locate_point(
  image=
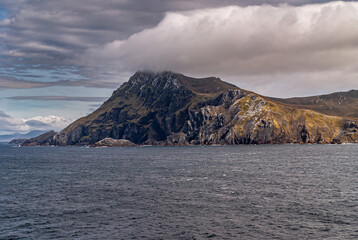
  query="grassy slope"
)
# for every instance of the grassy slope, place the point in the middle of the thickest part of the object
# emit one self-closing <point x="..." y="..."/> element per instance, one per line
<point x="285" y="119"/>
<point x="341" y="104"/>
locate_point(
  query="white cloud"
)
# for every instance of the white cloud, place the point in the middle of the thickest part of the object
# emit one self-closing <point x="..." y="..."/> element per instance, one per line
<point x="5" y="22"/>
<point x="9" y="124"/>
<point x="285" y="45"/>
<point x="55" y="122"/>
<point x="43" y="47"/>
<point x="13" y="53"/>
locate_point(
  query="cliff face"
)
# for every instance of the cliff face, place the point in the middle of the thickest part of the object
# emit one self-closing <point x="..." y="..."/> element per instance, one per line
<point x="172" y="109"/>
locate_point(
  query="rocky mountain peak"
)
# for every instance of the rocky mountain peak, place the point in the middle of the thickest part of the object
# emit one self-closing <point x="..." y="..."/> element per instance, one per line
<point x="159" y="82"/>
<point x="162" y="80"/>
<point x="143" y="83"/>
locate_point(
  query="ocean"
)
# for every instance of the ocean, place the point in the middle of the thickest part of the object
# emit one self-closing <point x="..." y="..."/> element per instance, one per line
<point x="193" y="192"/>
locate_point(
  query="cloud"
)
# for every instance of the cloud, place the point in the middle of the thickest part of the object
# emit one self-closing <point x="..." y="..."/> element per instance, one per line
<point x="36" y="124"/>
<point x="10" y="124"/>
<point x="56" y="122"/>
<point x="42" y="47"/>
<point x="13" y="83"/>
<point x="108" y="40"/>
<point x="5" y="22"/>
<point x="243" y="42"/>
<point x="59" y="98"/>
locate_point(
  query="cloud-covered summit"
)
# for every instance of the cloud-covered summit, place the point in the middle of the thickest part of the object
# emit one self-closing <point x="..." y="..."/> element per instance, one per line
<point x="313" y="45"/>
<point x="254" y="40"/>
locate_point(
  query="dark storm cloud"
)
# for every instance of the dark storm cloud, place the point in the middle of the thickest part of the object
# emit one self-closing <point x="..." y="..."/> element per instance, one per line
<point x="58" y="31"/>
<point x="57" y="27"/>
<point x="59" y="98"/>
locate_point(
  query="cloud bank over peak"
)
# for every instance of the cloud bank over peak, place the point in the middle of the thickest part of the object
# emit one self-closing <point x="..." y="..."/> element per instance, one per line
<point x="252" y="43"/>
<point x="276" y="47"/>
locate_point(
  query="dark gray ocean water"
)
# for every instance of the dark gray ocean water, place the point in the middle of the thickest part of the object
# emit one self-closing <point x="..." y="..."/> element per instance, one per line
<point x="226" y="192"/>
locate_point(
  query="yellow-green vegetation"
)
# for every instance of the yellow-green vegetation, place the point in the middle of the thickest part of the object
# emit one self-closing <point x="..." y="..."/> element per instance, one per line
<point x="205" y="86"/>
<point x="263" y="121"/>
<point x="341" y="104"/>
<point x="287" y="119"/>
<point x="244" y="104"/>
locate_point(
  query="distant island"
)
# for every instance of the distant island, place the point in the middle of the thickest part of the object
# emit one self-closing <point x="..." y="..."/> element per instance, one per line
<point x="169" y="109"/>
<point x="18" y="138"/>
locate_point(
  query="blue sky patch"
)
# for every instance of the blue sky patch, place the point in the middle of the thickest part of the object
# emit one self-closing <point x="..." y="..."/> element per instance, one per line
<point x="3" y="13"/>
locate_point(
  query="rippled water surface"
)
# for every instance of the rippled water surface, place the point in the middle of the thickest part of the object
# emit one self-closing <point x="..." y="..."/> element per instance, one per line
<point x="226" y="192"/>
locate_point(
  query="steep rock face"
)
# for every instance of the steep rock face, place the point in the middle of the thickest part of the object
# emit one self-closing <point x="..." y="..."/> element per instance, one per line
<point x="146" y="109"/>
<point x="170" y="109"/>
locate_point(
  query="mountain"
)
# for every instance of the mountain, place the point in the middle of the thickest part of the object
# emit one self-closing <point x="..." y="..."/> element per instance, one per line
<point x="342" y="104"/>
<point x="9" y="137"/>
<point x="172" y="109"/>
<point x="45" y="139"/>
<point x="18" y="141"/>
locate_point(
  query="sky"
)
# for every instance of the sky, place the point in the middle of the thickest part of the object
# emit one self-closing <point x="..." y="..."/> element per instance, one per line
<point x="59" y="60"/>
